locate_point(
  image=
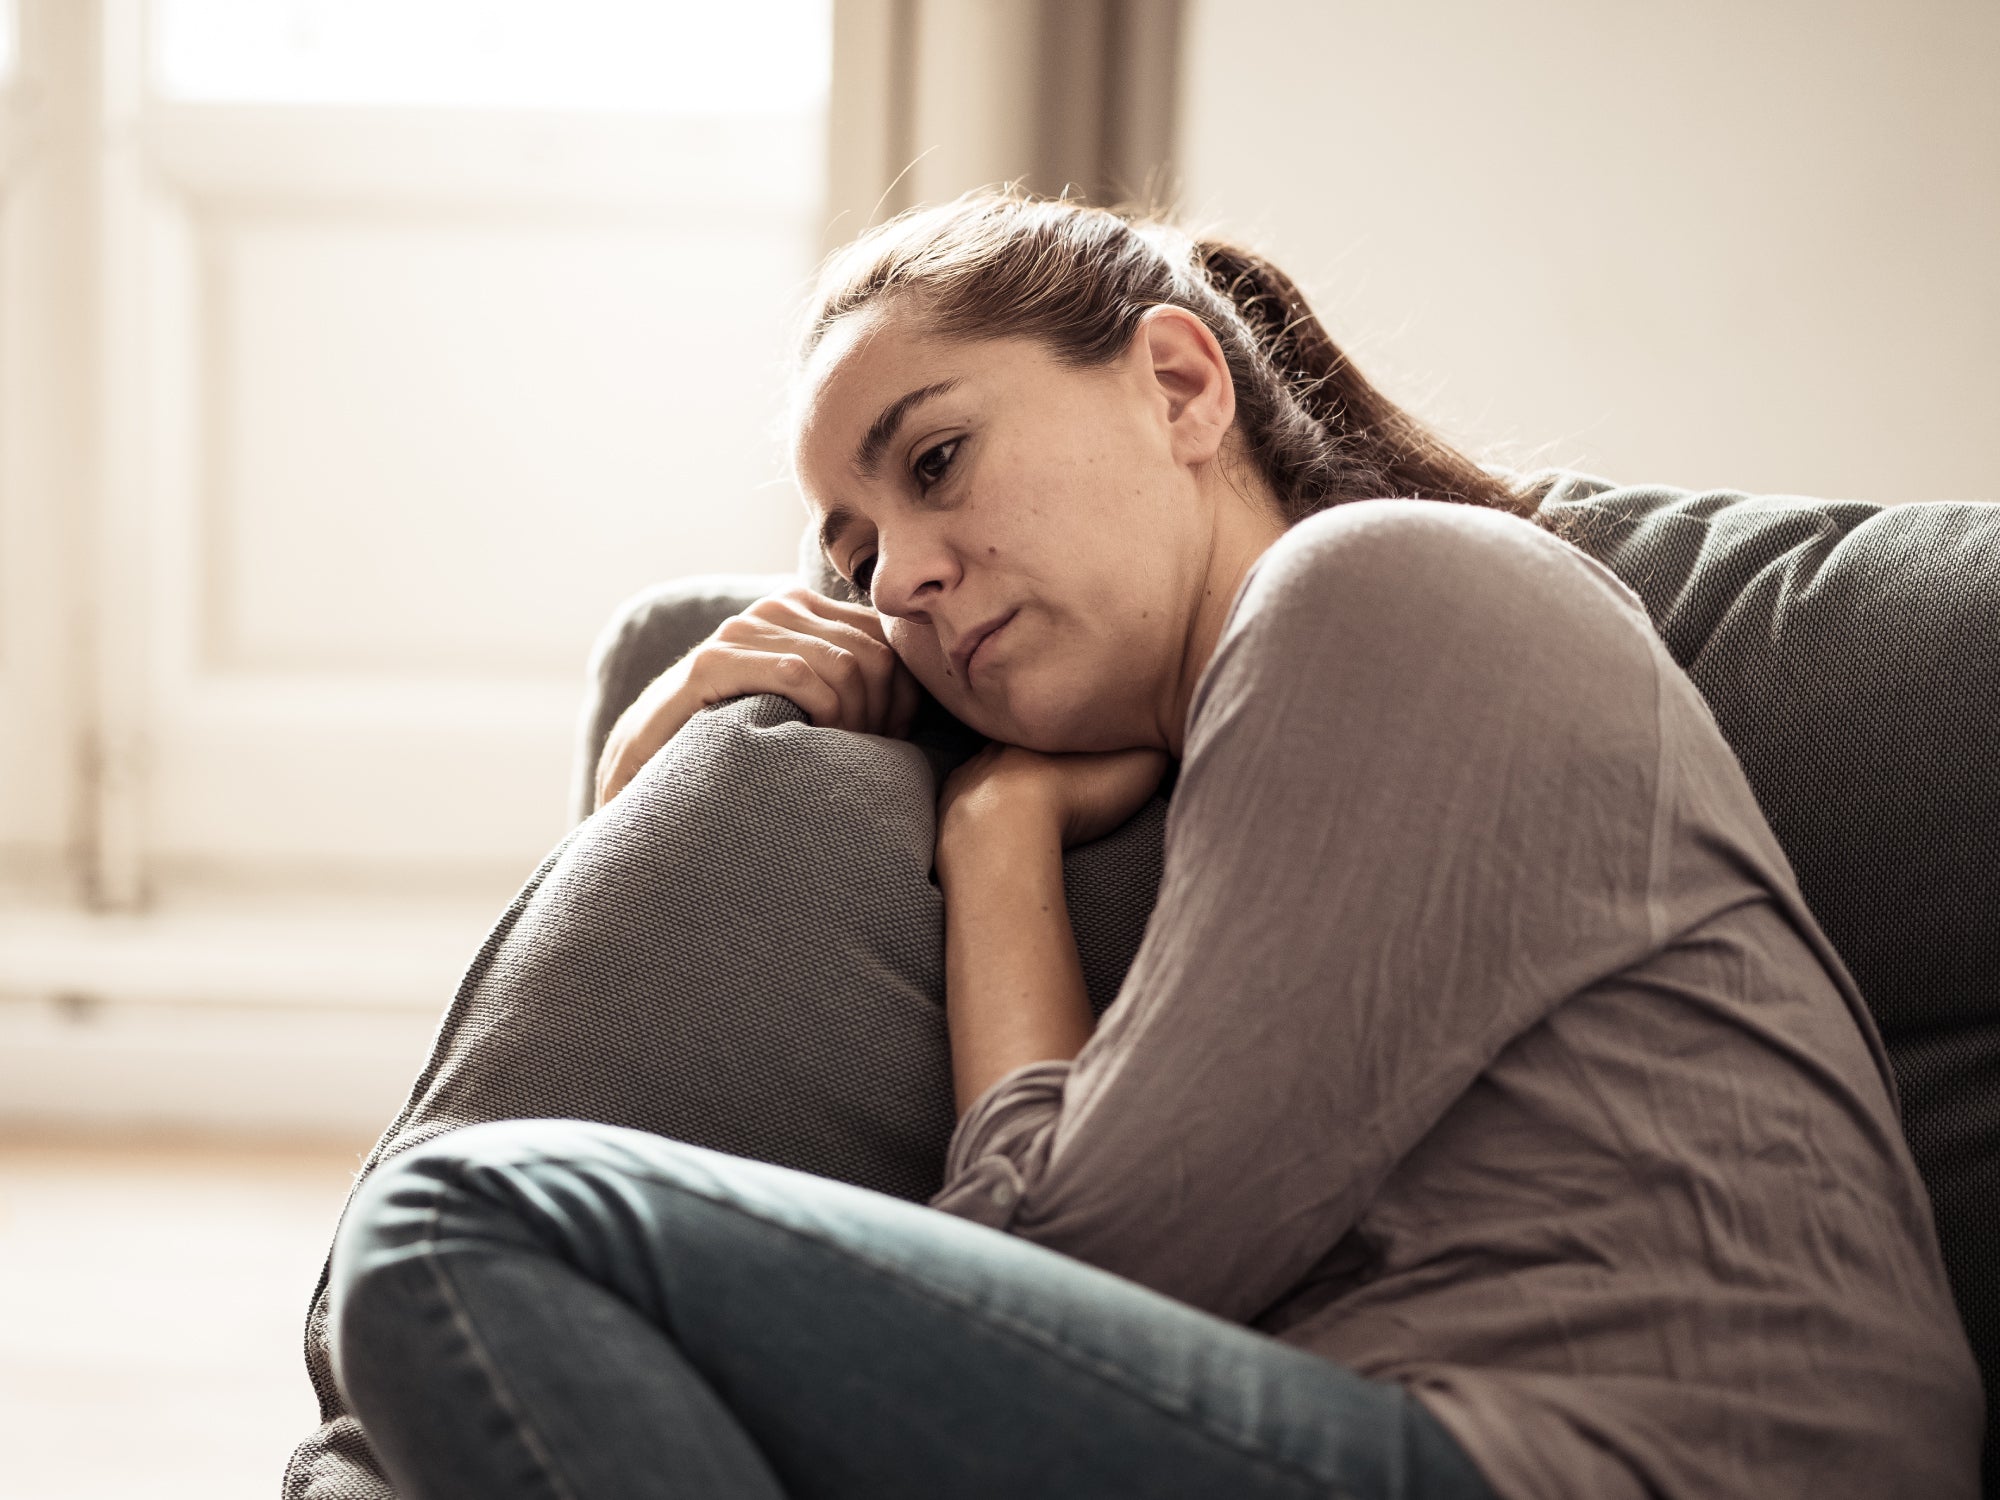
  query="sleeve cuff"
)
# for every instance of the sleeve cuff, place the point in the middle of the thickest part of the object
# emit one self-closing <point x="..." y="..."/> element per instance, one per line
<point x="1005" y="1131"/>
<point x="988" y="1194"/>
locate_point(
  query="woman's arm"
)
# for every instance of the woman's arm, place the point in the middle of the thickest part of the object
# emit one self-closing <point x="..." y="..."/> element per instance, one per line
<point x="1014" y="988"/>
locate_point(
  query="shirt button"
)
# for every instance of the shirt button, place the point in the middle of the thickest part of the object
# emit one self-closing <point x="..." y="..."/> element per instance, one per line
<point x="1003" y="1192"/>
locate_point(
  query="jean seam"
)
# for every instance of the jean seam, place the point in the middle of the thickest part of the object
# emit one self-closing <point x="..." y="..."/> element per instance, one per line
<point x="1110" y="1374"/>
<point x="503" y="1396"/>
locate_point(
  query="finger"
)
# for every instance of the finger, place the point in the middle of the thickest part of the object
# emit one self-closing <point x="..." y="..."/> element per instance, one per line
<point x="851" y="625"/>
<point x="615" y="773"/>
<point x="613" y="779"/>
<point x="853" y="663"/>
<point x="841" y="669"/>
<point x="838" y="612"/>
<point x="803" y="607"/>
<point x="634" y="737"/>
<point x="861" y="616"/>
<point x="853" y="628"/>
<point x="735" y="670"/>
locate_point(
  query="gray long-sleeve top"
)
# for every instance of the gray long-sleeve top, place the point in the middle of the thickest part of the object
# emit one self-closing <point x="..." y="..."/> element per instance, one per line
<point x="1480" y="1040"/>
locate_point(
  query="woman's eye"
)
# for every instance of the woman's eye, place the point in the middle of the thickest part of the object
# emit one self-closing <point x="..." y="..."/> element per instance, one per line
<point x="929" y="469"/>
<point x="931" y="464"/>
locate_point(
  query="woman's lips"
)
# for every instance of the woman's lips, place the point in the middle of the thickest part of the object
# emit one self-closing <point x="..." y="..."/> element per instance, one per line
<point x="984" y="641"/>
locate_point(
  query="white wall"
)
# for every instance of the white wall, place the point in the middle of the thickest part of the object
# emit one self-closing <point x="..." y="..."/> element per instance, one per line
<point x="1709" y="243"/>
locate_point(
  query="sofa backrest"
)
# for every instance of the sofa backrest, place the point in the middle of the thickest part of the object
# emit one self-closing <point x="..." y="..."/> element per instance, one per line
<point x="1851" y="655"/>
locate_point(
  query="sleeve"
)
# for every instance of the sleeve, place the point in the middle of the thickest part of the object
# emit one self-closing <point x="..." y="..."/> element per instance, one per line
<point x="1416" y="810"/>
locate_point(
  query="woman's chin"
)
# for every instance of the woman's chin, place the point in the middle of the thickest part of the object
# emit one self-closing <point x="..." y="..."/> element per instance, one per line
<point x="997" y="724"/>
<point x="1054" y="718"/>
<point x="1051" y="735"/>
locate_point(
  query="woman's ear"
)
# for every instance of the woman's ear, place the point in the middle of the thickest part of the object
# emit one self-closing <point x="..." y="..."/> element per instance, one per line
<point x="1181" y="358"/>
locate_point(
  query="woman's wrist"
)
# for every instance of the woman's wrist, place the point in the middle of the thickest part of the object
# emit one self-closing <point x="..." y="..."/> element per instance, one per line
<point x="989" y="838"/>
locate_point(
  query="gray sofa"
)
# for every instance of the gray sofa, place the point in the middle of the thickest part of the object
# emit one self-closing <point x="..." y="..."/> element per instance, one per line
<point x="649" y="972"/>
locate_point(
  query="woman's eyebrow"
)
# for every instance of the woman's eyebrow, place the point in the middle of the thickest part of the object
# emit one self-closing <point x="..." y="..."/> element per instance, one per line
<point x="883" y="430"/>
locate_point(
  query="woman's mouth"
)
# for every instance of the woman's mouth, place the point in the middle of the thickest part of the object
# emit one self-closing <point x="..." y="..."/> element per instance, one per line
<point x="979" y="652"/>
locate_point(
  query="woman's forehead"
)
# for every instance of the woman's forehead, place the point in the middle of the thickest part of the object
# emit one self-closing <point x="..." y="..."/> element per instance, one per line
<point x="840" y="388"/>
<point x="860" y="366"/>
<point x="856" y="376"/>
<point x="858" y="353"/>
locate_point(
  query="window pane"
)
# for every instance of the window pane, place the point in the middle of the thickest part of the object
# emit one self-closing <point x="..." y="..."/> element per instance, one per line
<point x="675" y="56"/>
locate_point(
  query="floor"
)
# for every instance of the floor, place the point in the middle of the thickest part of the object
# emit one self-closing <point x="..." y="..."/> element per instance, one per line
<point x="152" y="1306"/>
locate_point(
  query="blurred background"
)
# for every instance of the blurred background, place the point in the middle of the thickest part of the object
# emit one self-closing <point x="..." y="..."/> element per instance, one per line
<point x="357" y="357"/>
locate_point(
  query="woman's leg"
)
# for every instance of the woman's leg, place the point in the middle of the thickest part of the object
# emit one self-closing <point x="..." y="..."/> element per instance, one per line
<point x="560" y="1308"/>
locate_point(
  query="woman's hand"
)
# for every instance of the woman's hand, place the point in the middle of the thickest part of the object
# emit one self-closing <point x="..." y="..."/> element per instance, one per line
<point x="828" y="656"/>
<point x="1082" y="795"/>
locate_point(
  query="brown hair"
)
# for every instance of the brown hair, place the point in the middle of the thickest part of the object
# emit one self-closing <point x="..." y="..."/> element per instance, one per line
<point x="1000" y="262"/>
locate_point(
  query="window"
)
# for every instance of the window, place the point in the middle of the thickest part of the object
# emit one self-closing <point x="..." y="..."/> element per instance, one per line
<point x="427" y="369"/>
<point x="653" y="56"/>
<point x="427" y="332"/>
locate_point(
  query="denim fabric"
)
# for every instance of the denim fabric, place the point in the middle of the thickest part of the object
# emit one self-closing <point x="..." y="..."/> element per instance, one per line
<point x="562" y="1308"/>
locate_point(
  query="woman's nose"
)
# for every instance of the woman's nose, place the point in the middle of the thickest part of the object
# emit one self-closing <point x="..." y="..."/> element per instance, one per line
<point x="909" y="573"/>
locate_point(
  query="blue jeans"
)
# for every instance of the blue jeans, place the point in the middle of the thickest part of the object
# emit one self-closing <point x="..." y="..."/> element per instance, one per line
<point x="555" y="1308"/>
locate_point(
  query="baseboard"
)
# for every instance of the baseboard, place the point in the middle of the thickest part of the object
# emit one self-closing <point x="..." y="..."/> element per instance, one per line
<point x="301" y="1025"/>
<point x="137" y="1068"/>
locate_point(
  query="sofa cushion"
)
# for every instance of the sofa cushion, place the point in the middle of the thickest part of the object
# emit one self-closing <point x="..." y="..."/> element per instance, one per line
<point x="1851" y="655"/>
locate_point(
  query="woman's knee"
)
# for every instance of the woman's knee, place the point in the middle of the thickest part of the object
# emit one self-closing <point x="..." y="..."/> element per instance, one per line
<point x="446" y="1187"/>
<point x="610" y="1203"/>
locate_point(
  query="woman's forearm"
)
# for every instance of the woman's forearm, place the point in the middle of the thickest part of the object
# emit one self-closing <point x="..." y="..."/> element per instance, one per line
<point x="1014" y="990"/>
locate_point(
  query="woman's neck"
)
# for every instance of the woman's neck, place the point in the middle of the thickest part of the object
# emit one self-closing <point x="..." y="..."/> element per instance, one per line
<point x="1248" y="519"/>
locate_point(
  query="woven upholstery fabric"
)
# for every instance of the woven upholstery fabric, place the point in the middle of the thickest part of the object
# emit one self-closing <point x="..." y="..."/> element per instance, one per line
<point x="745" y="949"/>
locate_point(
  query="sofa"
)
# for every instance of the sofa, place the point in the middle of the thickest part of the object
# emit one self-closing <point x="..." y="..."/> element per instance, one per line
<point x="1850" y="653"/>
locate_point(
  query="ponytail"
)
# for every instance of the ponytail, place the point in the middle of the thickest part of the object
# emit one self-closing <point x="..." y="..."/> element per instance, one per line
<point x="1353" y="442"/>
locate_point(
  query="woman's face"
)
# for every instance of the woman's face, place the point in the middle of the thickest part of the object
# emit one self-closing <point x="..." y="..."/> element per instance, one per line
<point x="962" y="483"/>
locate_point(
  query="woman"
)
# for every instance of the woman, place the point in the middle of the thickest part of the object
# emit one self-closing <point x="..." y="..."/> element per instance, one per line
<point x="1483" y="1115"/>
